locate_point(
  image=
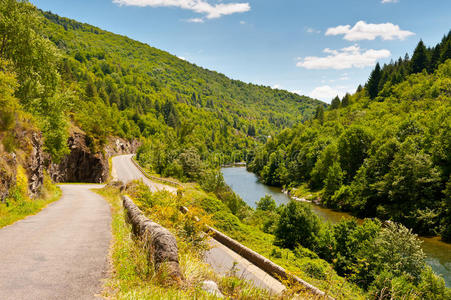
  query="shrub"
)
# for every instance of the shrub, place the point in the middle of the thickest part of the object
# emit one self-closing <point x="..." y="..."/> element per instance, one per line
<point x="297" y="225"/>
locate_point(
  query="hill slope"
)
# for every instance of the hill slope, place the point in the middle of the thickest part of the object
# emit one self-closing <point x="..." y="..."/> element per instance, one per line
<point x="157" y="89"/>
<point x="387" y="158"/>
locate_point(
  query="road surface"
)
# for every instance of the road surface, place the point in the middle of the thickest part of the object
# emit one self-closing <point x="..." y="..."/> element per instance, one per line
<point x="125" y="170"/>
<point x="60" y="253"/>
<point x="221" y="258"/>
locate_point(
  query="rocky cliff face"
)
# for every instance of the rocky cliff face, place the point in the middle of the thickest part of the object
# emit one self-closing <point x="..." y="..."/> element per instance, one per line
<point x="28" y="152"/>
<point x="82" y="165"/>
<point x="34" y="164"/>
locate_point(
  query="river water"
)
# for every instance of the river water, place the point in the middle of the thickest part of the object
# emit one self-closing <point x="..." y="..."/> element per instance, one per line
<point x="247" y="186"/>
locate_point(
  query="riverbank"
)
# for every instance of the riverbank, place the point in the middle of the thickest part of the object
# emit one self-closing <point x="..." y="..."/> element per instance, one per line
<point x="250" y="189"/>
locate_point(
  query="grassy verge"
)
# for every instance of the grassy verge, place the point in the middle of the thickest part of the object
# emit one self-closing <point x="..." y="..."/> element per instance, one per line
<point x="18" y="205"/>
<point x="133" y="276"/>
<point x="301" y="262"/>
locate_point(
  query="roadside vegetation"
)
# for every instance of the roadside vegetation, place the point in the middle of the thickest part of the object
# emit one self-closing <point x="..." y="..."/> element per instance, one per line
<point x="19" y="205"/>
<point x="347" y="260"/>
<point x="133" y="275"/>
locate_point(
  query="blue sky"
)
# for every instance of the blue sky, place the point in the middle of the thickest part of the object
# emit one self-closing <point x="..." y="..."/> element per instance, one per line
<point x="313" y="47"/>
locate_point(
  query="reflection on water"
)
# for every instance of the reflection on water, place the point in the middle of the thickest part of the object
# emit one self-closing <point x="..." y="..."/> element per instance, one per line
<point x="246" y="185"/>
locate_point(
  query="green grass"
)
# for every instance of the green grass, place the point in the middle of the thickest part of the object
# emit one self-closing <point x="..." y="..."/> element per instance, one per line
<point x="18" y="206"/>
<point x="302" y="263"/>
<point x="133" y="276"/>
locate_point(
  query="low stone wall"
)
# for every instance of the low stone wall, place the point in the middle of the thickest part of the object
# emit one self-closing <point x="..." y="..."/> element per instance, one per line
<point x="260" y="261"/>
<point x="160" y="243"/>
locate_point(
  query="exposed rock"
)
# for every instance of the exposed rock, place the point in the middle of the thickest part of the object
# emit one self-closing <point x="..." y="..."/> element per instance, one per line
<point x="28" y="152"/>
<point x="7" y="174"/>
<point x="212" y="288"/>
<point x="34" y="165"/>
<point x="82" y="165"/>
<point x="117" y="146"/>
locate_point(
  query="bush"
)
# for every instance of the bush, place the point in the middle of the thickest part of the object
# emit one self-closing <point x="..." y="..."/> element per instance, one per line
<point x="266" y="203"/>
<point x="297" y="225"/>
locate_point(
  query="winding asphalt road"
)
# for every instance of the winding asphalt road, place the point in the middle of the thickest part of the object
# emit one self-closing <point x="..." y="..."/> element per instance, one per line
<point x="221" y="258"/>
<point x="60" y="253"/>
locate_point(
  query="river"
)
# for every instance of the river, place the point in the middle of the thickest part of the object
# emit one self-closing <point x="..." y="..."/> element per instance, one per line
<point x="247" y="186"/>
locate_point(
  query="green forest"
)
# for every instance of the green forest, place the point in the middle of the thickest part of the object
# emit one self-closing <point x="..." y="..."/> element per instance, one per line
<point x="72" y="74"/>
<point x="383" y="152"/>
<point x="126" y="88"/>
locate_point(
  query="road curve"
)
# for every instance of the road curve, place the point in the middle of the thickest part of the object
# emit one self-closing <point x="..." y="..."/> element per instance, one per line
<point x="60" y="253"/>
<point x="125" y="171"/>
<point x="221" y="258"/>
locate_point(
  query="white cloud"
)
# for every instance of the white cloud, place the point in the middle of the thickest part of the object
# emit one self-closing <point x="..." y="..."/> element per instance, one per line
<point x="389" y="1"/>
<point x="345" y="58"/>
<point x="368" y="31"/>
<point x="181" y="57"/>
<point x="195" y="20"/>
<point x="211" y="11"/>
<point x="276" y="86"/>
<point x="327" y="93"/>
<point x="312" y="30"/>
<point x="242" y="22"/>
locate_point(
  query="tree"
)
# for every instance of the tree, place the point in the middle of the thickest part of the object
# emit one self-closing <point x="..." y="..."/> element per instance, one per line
<point x="297" y="225"/>
<point x="319" y="114"/>
<point x="34" y="57"/>
<point x="446" y="54"/>
<point x="420" y="59"/>
<point x="251" y="130"/>
<point x="373" y="82"/>
<point x="332" y="183"/>
<point x="353" y="146"/>
<point x="398" y="250"/>
<point x="435" y="58"/>
<point x="191" y="163"/>
<point x="335" y="104"/>
<point x="266" y="203"/>
<point x="345" y="100"/>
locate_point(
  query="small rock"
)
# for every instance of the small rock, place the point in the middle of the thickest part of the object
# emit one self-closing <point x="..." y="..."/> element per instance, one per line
<point x="212" y="288"/>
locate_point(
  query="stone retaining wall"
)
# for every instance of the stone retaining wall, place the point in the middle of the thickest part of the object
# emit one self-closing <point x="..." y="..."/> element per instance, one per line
<point x="260" y="261"/>
<point x="158" y="241"/>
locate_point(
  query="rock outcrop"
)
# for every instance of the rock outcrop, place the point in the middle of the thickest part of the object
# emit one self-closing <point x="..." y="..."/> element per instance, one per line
<point x="84" y="165"/>
<point x="28" y="152"/>
<point x="34" y="165"/>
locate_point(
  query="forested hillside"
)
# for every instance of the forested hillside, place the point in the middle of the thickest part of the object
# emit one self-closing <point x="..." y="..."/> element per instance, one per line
<point x="132" y="90"/>
<point x="383" y="152"/>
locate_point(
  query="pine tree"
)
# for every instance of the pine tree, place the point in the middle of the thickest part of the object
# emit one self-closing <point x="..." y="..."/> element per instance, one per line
<point x="345" y="100"/>
<point x="446" y="54"/>
<point x="373" y="82"/>
<point x="336" y="103"/>
<point x="319" y="115"/>
<point x="419" y="58"/>
<point x="435" y="58"/>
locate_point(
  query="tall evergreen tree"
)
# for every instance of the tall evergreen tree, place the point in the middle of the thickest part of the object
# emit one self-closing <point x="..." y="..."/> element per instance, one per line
<point x="435" y="58"/>
<point x="373" y="82"/>
<point x="419" y="58"/>
<point x="319" y="115"/>
<point x="336" y="103"/>
<point x="345" y="100"/>
<point x="446" y="54"/>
